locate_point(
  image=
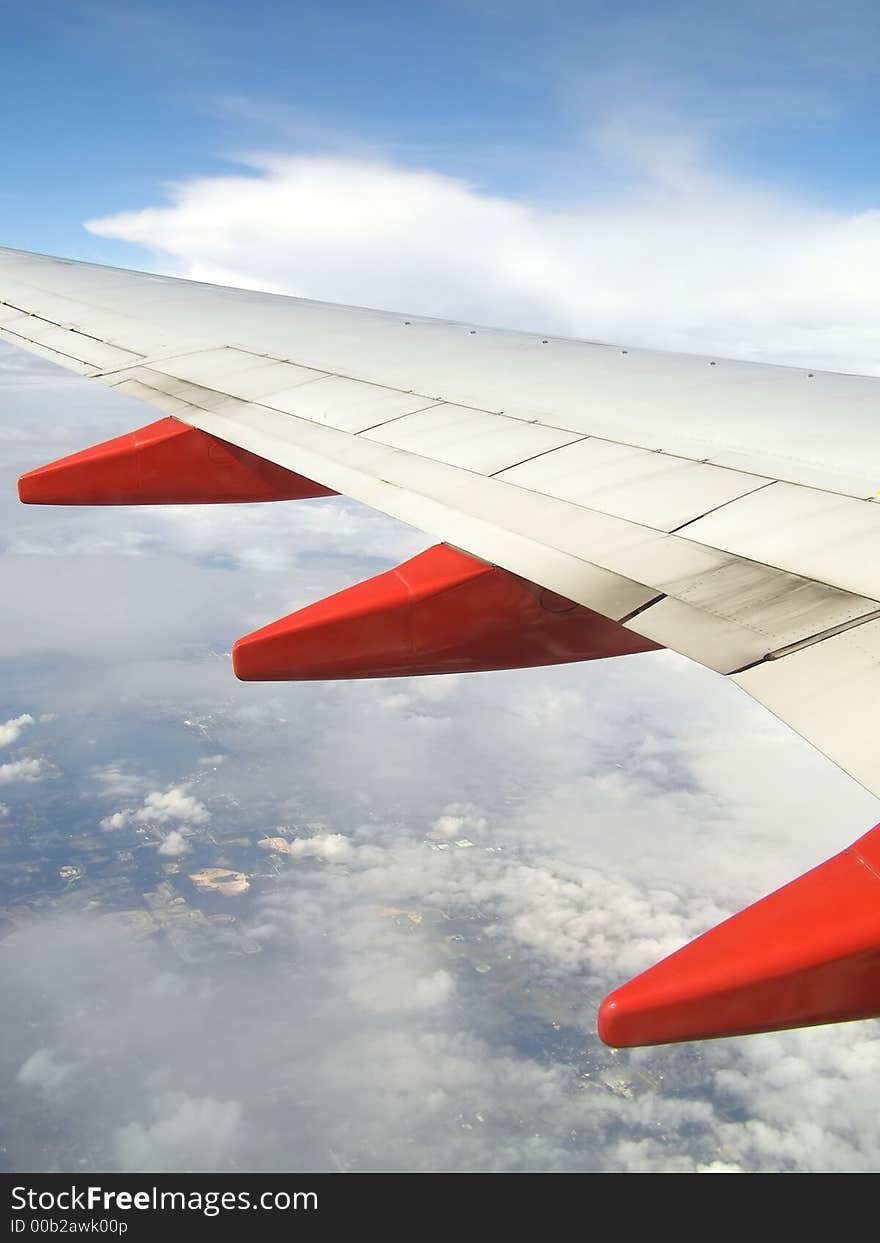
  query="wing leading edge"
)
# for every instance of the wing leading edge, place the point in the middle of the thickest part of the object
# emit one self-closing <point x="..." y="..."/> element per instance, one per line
<point x="598" y="519"/>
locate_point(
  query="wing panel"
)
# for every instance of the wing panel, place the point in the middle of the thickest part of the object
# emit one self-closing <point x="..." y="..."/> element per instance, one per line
<point x="53" y="356"/>
<point x="212" y="367"/>
<point x="162" y="401"/>
<point x="193" y="395"/>
<point x="31" y="330"/>
<point x="258" y="383"/>
<point x="745" y="613"/>
<point x="829" y="693"/>
<point x="831" y="538"/>
<point x="652" y="488"/>
<point x="472" y="439"/>
<point x="859" y="482"/>
<point x="347" y="405"/>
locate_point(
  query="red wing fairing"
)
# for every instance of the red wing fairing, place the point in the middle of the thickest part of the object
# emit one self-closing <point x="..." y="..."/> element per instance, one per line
<point x="441" y="612"/>
<point x="808" y="953"/>
<point x="165" y="463"/>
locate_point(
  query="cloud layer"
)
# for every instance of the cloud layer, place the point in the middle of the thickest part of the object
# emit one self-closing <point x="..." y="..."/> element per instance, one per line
<point x="11" y="730"/>
<point x="693" y="261"/>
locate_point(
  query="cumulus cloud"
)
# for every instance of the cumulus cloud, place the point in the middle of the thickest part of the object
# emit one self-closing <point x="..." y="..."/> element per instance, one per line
<point x="187" y="1134"/>
<point x="43" y="1071"/>
<point x="25" y="770"/>
<point x="705" y="263"/>
<point x="329" y="847"/>
<point x="161" y="807"/>
<point x="11" y="730"/>
<point x="173" y="804"/>
<point x="118" y="820"/>
<point x="174" y="844"/>
<point x="458" y="820"/>
<point x="4" y="811"/>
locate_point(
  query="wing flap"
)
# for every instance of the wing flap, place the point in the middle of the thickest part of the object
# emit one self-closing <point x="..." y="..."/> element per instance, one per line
<point x="55" y="336"/>
<point x="50" y="355"/>
<point x="475" y="440"/>
<point x="828" y="692"/>
<point x="834" y="539"/>
<point x="655" y="489"/>
<point x="743" y="612"/>
<point x="229" y="368"/>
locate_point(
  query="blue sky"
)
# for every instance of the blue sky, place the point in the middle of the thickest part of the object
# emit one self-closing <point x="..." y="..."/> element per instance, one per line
<point x="113" y="100"/>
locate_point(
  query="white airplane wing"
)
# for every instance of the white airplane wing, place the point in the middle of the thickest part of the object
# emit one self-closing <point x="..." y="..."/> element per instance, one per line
<point x="725" y="510"/>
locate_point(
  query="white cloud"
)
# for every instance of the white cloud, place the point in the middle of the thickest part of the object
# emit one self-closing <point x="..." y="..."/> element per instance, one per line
<point x="160" y="807"/>
<point x="4" y="811"/>
<point x="25" y="770"/>
<point x="393" y="989"/>
<point x="705" y="263"/>
<point x="11" y="730"/>
<point x="117" y="781"/>
<point x="329" y="847"/>
<point x="42" y="1070"/>
<point x="457" y="820"/>
<point x="188" y="1134"/>
<point x="118" y="820"/>
<point x="174" y="844"/>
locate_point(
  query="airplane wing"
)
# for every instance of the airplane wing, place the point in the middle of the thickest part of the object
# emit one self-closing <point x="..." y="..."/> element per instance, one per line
<point x="592" y="500"/>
